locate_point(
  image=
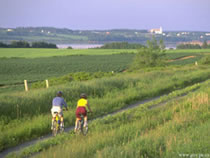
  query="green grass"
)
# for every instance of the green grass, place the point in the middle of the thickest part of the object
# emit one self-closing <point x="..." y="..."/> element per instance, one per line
<point x="15" y="70"/>
<point x="179" y="127"/>
<point x="37" y="53"/>
<point x="26" y="116"/>
<point x="189" y="51"/>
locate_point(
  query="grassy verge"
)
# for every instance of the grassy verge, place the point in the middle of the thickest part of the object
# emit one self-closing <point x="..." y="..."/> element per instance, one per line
<point x="139" y="132"/>
<point x="182" y="127"/>
<point x="27" y="117"/>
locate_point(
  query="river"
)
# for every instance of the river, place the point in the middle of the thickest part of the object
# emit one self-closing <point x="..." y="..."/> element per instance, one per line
<point x="78" y="46"/>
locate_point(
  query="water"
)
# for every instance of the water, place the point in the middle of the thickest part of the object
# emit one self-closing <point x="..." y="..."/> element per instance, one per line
<point x="78" y="46"/>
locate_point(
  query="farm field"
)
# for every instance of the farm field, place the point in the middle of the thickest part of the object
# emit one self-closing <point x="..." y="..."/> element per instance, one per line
<point x="45" y="52"/>
<point x="15" y="70"/>
<point x="36" y="53"/>
<point x="189" y="51"/>
<point x="17" y="65"/>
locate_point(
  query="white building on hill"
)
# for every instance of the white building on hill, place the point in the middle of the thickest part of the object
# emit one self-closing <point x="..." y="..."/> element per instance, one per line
<point x="156" y="31"/>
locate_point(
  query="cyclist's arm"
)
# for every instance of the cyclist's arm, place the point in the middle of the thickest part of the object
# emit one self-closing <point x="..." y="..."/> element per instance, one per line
<point x="64" y="104"/>
<point x="89" y="107"/>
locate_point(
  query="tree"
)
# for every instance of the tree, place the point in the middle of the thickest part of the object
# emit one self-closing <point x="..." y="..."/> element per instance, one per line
<point x="43" y="45"/>
<point x="150" y="56"/>
<point x="3" y="45"/>
<point x="153" y="44"/>
<point x="188" y="46"/>
<point x="19" y="44"/>
<point x="162" y="45"/>
<point x="122" y="45"/>
<point x="205" y="45"/>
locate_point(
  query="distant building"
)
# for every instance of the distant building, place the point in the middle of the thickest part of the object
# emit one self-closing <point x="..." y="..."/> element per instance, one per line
<point x="207" y="34"/>
<point x="193" y="42"/>
<point x="10" y="30"/>
<point x="156" y="31"/>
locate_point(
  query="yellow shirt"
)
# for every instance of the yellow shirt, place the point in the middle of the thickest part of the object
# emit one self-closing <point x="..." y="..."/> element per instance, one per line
<point x="82" y="103"/>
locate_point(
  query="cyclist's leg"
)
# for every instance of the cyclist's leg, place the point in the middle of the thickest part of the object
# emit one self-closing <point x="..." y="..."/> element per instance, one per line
<point x="85" y="117"/>
<point x="62" y="121"/>
<point x="77" y="123"/>
<point x="60" y="114"/>
<point x="78" y="118"/>
<point x="85" y="121"/>
<point x="53" y="117"/>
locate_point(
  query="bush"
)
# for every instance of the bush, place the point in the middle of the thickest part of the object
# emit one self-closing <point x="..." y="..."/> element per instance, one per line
<point x="78" y="76"/>
<point x="19" y="44"/>
<point x="43" y="45"/>
<point x="122" y="45"/>
<point x="3" y="45"/>
<point x="206" y="60"/>
<point x="188" y="46"/>
<point x="151" y="56"/>
<point x="69" y="47"/>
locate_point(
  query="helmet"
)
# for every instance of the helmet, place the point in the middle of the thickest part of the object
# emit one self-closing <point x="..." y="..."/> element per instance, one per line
<point x="59" y="93"/>
<point x="83" y="95"/>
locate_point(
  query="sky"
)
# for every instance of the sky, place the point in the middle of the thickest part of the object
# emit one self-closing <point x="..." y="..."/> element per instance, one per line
<point x="172" y="15"/>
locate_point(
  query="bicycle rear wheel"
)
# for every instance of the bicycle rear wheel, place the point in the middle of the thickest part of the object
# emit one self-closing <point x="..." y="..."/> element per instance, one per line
<point x="84" y="130"/>
<point x="55" y="128"/>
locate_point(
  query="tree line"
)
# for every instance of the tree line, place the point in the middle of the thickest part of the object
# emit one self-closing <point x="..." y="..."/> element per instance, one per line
<point x="205" y="45"/>
<point x="25" y="44"/>
<point x="122" y="45"/>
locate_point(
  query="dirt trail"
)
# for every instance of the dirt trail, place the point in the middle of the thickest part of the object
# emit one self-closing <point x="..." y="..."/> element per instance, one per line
<point x="181" y="58"/>
<point x="139" y="103"/>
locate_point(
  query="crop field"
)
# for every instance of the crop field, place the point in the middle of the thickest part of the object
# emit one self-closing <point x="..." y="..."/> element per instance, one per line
<point x="36" y="53"/>
<point x="203" y="51"/>
<point x="17" y="65"/>
<point x="15" y="70"/>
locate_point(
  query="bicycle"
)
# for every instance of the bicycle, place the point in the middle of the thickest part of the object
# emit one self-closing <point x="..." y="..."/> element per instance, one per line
<point x="82" y="129"/>
<point x="56" y="125"/>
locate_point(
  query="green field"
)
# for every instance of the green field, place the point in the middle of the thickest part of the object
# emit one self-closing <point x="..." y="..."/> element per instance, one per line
<point x="36" y="53"/>
<point x="26" y="116"/>
<point x="28" y="113"/>
<point x="17" y="65"/>
<point x="15" y="70"/>
<point x="189" y="51"/>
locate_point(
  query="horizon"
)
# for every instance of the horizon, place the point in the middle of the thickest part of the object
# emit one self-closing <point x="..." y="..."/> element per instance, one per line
<point x="190" y="15"/>
<point x="102" y="29"/>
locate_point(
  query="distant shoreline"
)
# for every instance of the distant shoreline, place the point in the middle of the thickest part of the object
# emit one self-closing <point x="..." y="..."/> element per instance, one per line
<point x="78" y="46"/>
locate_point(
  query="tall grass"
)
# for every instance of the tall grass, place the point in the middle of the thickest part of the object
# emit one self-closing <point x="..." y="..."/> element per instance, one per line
<point x="181" y="127"/>
<point x="27" y="115"/>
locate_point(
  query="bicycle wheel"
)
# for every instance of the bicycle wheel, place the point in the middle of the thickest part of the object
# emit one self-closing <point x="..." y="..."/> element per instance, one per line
<point x="61" y="129"/>
<point x="84" y="130"/>
<point x="55" y="128"/>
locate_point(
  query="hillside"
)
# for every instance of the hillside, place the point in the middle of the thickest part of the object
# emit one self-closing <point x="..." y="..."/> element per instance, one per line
<point x="66" y="36"/>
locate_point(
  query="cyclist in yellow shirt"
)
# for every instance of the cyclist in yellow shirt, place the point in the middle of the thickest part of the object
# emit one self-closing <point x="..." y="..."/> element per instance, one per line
<point x="82" y="104"/>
